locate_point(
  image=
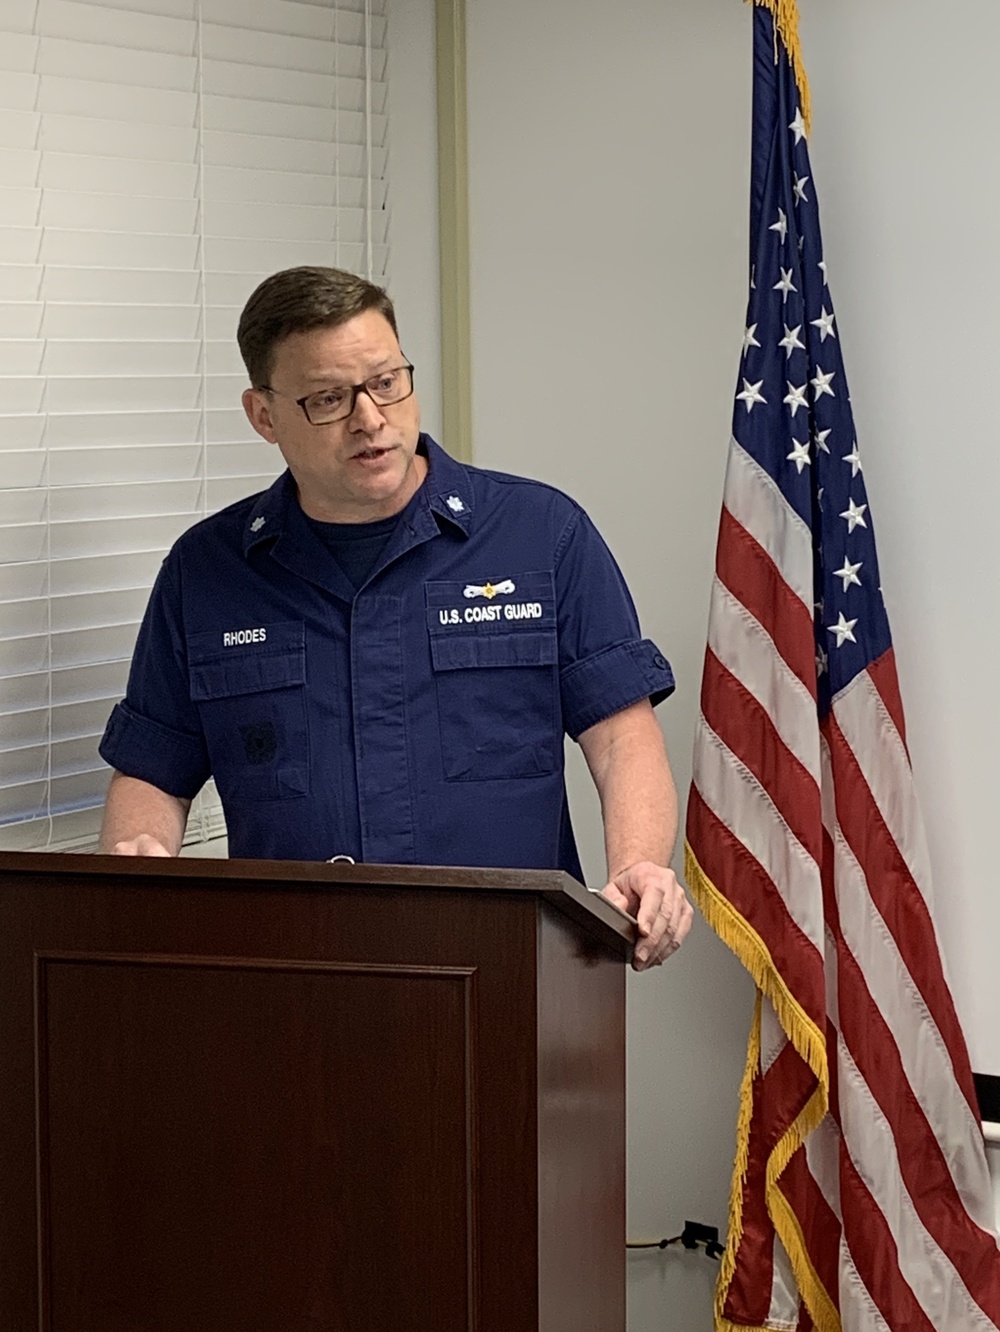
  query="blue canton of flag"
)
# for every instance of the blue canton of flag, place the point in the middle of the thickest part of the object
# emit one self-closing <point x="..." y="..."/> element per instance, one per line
<point x="793" y="411"/>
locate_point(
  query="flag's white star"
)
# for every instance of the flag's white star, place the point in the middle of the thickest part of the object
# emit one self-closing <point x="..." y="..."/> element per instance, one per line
<point x="798" y="126"/>
<point x="785" y="285"/>
<point x="822" y="268"/>
<point x="820" y="493"/>
<point x="854" y="458"/>
<point x="795" y="397"/>
<point x="819" y="439"/>
<point x="791" y="340"/>
<point x="748" y="338"/>
<point x="753" y="278"/>
<point x="821" y="660"/>
<point x="822" y="383"/>
<point x="818" y="607"/>
<point x="800" y="189"/>
<point x="849" y="573"/>
<point x="825" y="325"/>
<point x="781" y="226"/>
<point x="799" y="454"/>
<point x="854" y="514"/>
<point x="802" y="244"/>
<point x="751" y="394"/>
<point x="843" y="629"/>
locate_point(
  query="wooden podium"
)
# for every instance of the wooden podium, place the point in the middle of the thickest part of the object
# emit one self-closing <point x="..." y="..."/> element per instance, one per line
<point x="278" y="1096"/>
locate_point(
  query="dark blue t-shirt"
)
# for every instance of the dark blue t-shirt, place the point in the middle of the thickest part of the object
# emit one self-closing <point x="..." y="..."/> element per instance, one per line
<point x="419" y="720"/>
<point x="355" y="546"/>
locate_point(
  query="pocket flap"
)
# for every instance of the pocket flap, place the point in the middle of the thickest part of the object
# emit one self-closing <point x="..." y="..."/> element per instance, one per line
<point x="461" y="651"/>
<point x="225" y="664"/>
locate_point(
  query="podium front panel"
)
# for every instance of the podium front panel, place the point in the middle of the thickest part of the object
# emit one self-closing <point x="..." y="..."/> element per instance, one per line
<point x="291" y="1106"/>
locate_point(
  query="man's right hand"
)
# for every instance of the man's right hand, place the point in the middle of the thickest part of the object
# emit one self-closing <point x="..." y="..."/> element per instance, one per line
<point x="133" y="805"/>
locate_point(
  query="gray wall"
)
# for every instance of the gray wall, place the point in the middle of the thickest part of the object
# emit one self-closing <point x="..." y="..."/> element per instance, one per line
<point x="905" y="151"/>
<point x="609" y="166"/>
<point x="609" y="177"/>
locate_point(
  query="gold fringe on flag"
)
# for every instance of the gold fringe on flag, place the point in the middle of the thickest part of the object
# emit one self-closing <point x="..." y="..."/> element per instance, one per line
<point x="786" y="20"/>
<point x="740" y="936"/>
<point x="727" y="1268"/>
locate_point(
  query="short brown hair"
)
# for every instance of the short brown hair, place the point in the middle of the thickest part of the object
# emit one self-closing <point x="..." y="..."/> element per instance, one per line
<point x="298" y="299"/>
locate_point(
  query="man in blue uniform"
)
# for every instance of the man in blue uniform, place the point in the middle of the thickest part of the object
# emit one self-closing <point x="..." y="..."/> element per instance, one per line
<point x="379" y="656"/>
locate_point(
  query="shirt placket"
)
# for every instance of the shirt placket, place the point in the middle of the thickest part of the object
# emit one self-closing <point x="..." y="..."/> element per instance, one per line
<point x="385" y="795"/>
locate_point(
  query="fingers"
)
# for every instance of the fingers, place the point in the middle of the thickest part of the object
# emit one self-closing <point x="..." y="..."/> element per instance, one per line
<point x="664" y="913"/>
<point x="614" y="894"/>
<point x="143" y="845"/>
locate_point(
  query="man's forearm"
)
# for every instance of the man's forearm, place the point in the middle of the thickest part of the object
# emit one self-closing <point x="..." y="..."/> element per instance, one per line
<point x="138" y="816"/>
<point x="628" y="761"/>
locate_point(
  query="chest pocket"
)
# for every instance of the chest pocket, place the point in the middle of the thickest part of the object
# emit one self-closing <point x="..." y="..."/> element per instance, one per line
<point x="250" y="686"/>
<point x="495" y="654"/>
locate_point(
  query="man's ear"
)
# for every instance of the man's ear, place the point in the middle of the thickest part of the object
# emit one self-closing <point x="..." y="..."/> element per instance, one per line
<point x="257" y="406"/>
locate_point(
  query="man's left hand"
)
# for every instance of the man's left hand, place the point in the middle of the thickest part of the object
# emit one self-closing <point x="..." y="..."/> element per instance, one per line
<point x="652" y="894"/>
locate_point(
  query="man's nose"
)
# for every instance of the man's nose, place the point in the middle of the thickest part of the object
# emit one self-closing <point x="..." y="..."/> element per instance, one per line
<point x="366" y="415"/>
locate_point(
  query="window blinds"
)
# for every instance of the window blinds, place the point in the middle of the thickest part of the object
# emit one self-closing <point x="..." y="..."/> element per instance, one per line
<point x="158" y="158"/>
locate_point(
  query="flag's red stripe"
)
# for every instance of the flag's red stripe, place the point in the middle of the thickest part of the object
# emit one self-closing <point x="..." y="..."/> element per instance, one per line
<point x="897" y="898"/>
<point x="747" y="570"/>
<point x="736" y="716"/>
<point x="745" y="883"/>
<point x="884" y="677"/>
<point x="820" y="1224"/>
<point x="784" y="1091"/>
<point x="875" y="1255"/>
<point x="922" y="1164"/>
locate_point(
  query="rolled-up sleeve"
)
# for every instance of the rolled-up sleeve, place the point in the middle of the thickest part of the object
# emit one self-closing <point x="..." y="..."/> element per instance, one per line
<point x="604" y="663"/>
<point x="155" y="733"/>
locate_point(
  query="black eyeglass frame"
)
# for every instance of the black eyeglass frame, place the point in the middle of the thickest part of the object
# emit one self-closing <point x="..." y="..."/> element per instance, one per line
<point x="355" y="390"/>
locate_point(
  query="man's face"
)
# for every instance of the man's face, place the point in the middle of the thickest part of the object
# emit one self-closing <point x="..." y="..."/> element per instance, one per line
<point x="363" y="467"/>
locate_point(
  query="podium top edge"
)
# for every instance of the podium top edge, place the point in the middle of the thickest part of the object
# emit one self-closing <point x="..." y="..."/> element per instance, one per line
<point x="557" y="887"/>
<point x="285" y="871"/>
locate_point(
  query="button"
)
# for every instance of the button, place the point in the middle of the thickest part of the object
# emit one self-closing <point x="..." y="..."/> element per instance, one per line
<point x="661" y="661"/>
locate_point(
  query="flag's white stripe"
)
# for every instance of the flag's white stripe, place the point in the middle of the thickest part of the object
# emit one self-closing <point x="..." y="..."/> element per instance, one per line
<point x="858" y="1312"/>
<point x="739" y="801"/>
<point x="757" y="504"/>
<point x="772" y="1034"/>
<point x="822" y="1152"/>
<point x="922" y="1050"/>
<point x="881" y="755"/>
<point x="785" y="1301"/>
<point x="924" y="1266"/>
<point x="748" y="651"/>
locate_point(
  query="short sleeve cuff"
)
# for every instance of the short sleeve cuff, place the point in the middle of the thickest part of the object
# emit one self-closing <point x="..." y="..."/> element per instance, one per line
<point x="614" y="679"/>
<point x="139" y="747"/>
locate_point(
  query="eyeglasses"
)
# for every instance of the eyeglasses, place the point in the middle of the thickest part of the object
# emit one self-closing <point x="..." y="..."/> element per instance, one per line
<point x="337" y="404"/>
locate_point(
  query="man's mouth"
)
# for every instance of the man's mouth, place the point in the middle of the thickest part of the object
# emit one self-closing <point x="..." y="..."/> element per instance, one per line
<point x="369" y="455"/>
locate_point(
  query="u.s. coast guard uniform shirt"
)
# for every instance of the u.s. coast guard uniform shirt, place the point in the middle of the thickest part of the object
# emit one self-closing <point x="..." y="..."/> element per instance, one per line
<point x="418" y="719"/>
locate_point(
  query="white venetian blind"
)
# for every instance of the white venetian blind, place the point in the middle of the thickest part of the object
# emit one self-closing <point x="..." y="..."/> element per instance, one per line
<point x="157" y="159"/>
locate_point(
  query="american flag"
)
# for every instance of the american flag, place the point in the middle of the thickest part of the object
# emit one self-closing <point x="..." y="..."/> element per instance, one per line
<point x="861" y="1197"/>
